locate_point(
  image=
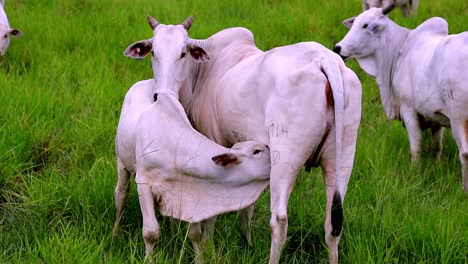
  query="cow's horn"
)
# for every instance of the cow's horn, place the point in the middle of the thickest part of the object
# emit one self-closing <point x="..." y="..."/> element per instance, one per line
<point x="388" y="8"/>
<point x="188" y="23"/>
<point x="152" y="22"/>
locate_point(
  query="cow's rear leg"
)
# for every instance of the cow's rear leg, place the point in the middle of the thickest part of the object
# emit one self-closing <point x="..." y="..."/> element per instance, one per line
<point x="437" y="137"/>
<point x="245" y="216"/>
<point x="286" y="164"/>
<point x="150" y="224"/>
<point x="120" y="194"/>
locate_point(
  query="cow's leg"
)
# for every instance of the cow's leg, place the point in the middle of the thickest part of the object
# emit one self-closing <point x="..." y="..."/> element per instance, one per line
<point x="410" y="117"/>
<point x="120" y="194"/>
<point x="195" y="235"/>
<point x="208" y="230"/>
<point x="245" y="216"/>
<point x="459" y="129"/>
<point x="150" y="224"/>
<point x="287" y="159"/>
<point x="437" y="137"/>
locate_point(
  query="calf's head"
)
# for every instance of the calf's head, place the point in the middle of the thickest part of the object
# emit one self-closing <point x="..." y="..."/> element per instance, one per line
<point x="172" y="51"/>
<point x="249" y="158"/>
<point x="364" y="36"/>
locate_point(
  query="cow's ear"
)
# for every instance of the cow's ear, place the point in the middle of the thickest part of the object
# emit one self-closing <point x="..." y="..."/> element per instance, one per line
<point x="376" y="27"/>
<point x="15" y="32"/>
<point x="349" y="22"/>
<point x="139" y="49"/>
<point x="198" y="53"/>
<point x="226" y="160"/>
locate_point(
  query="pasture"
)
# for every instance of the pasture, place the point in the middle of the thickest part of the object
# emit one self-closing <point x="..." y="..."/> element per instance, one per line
<point x="61" y="89"/>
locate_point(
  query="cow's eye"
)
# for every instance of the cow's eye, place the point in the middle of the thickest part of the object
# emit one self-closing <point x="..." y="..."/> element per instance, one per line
<point x="365" y="26"/>
<point x="257" y="151"/>
<point x="182" y="55"/>
<point x="6" y="36"/>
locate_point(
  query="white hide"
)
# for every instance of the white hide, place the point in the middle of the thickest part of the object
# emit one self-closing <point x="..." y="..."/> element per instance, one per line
<point x="422" y="75"/>
<point x="5" y="31"/>
<point x="279" y="98"/>
<point x="408" y="7"/>
<point x="173" y="163"/>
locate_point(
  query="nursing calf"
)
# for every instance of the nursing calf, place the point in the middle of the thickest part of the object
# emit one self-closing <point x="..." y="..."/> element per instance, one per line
<point x="178" y="170"/>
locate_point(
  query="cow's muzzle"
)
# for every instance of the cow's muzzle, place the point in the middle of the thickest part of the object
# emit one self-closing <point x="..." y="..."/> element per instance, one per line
<point x="337" y="50"/>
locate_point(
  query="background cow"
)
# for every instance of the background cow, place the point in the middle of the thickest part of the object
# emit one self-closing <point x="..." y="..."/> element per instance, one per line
<point x="407" y="7"/>
<point x="422" y="75"/>
<point x="5" y="30"/>
<point x="301" y="100"/>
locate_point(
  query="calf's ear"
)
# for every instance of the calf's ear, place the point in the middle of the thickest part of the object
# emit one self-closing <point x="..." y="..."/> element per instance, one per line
<point x="15" y="32"/>
<point x="198" y="53"/>
<point x="349" y="22"/>
<point x="226" y="160"/>
<point x="139" y="49"/>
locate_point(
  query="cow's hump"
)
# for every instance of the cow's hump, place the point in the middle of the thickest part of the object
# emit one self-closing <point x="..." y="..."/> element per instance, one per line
<point x="435" y="25"/>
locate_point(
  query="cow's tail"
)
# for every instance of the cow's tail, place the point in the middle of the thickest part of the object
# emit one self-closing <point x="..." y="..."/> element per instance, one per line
<point x="331" y="69"/>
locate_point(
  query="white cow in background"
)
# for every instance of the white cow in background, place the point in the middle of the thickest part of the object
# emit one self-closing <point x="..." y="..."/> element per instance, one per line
<point x="300" y="99"/>
<point x="171" y="160"/>
<point x="408" y="7"/>
<point x="422" y="75"/>
<point x="5" y="30"/>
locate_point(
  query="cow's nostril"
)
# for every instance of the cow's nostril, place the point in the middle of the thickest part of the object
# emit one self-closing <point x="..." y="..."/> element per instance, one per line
<point x="337" y="49"/>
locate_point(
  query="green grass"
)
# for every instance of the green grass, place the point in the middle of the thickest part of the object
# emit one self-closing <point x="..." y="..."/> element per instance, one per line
<point x="61" y="88"/>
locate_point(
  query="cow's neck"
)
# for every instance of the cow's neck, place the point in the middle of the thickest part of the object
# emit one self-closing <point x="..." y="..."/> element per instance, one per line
<point x="382" y="65"/>
<point x="189" y="89"/>
<point x="200" y="164"/>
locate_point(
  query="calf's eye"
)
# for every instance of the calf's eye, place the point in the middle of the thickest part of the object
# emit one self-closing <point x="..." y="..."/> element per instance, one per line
<point x="365" y="26"/>
<point x="257" y="151"/>
<point x="182" y="55"/>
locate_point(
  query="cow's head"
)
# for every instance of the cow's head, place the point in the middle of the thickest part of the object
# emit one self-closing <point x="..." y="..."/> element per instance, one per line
<point x="171" y="50"/>
<point x="251" y="159"/>
<point x="5" y="34"/>
<point x="365" y="33"/>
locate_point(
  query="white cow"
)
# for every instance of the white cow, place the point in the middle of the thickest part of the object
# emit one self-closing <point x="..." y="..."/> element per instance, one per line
<point x="190" y="177"/>
<point x="301" y="100"/>
<point x="5" y="30"/>
<point x="422" y="75"/>
<point x="407" y="7"/>
<point x="138" y="102"/>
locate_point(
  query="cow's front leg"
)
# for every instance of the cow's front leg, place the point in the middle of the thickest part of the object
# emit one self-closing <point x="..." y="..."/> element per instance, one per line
<point x="410" y="118"/>
<point x="437" y="137"/>
<point x="150" y="224"/>
<point x="195" y="235"/>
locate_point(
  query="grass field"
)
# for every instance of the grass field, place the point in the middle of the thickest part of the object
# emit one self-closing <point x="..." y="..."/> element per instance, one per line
<point x="61" y="89"/>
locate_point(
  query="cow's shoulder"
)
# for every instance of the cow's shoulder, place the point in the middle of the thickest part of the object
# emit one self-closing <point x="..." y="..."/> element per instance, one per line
<point x="435" y="25"/>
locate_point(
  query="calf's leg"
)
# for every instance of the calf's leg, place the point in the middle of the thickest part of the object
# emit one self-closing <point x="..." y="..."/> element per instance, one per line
<point x="150" y="224"/>
<point x="120" y="194"/>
